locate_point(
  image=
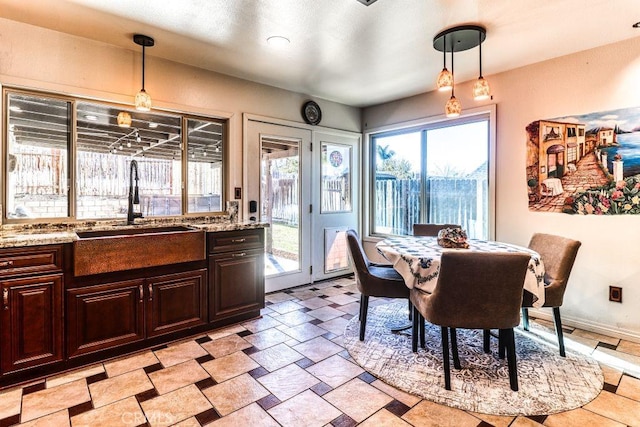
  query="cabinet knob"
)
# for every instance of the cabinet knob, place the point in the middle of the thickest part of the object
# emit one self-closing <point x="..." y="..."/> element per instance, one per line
<point x="5" y="298"/>
<point x="6" y="263"/>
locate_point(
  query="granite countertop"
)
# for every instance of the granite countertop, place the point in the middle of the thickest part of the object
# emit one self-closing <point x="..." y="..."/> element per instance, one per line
<point x="19" y="235"/>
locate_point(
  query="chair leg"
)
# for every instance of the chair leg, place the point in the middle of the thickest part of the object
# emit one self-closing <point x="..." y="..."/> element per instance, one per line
<point x="445" y="357"/>
<point x="410" y="309"/>
<point x="502" y="343"/>
<point x="511" y="358"/>
<point x="486" y="340"/>
<point x="414" y="329"/>
<point x="421" y="329"/>
<point x="558" y="323"/>
<point x="525" y="318"/>
<point x="454" y="348"/>
<point x="364" y="307"/>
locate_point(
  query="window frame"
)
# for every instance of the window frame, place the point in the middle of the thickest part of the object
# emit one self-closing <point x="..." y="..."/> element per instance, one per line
<point x="487" y="113"/>
<point x="72" y="165"/>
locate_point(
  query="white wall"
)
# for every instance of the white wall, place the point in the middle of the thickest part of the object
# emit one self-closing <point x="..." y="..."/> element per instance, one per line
<point x="43" y="59"/>
<point x="595" y="80"/>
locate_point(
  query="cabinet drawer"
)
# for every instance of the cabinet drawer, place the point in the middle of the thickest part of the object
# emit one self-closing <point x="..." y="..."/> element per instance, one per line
<point x="39" y="259"/>
<point x="225" y="241"/>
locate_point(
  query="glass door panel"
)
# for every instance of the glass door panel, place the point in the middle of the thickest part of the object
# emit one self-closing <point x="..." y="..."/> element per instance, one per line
<point x="280" y="204"/>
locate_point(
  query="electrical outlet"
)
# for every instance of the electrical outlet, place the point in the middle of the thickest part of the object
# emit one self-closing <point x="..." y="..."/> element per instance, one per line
<point x="615" y="293"/>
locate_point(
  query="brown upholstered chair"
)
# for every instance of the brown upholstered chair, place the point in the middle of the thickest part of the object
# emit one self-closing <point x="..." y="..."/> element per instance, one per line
<point x="430" y="229"/>
<point x="372" y="280"/>
<point x="558" y="254"/>
<point x="475" y="290"/>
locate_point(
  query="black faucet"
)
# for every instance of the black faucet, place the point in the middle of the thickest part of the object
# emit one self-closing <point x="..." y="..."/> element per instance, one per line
<point x="134" y="197"/>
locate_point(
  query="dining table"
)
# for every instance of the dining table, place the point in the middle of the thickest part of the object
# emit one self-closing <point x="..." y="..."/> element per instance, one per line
<point x="417" y="259"/>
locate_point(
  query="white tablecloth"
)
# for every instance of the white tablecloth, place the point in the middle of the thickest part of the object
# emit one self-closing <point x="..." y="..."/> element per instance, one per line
<point x="417" y="259"/>
<point x="554" y="185"/>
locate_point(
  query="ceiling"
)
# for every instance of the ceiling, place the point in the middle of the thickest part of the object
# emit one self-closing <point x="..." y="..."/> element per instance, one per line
<point x="340" y="50"/>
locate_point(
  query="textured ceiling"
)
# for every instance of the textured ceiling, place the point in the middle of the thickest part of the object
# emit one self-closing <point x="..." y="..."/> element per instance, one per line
<point x="340" y="50"/>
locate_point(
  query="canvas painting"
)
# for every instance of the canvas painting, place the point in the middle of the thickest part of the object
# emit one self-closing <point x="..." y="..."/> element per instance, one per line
<point x="586" y="164"/>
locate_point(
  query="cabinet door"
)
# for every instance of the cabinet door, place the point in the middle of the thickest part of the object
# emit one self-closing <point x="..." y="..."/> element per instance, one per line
<point x="236" y="283"/>
<point x="104" y="316"/>
<point x="176" y="301"/>
<point x="31" y="328"/>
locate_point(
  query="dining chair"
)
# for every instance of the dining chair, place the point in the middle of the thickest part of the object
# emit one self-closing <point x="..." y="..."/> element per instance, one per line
<point x="372" y="280"/>
<point x="558" y="255"/>
<point x="431" y="229"/>
<point x="475" y="290"/>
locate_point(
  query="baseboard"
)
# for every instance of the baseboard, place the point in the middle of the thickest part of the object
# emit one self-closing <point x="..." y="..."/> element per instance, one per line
<point x="596" y="327"/>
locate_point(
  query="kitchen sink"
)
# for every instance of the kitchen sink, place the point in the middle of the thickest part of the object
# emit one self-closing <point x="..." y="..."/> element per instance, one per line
<point x="118" y="249"/>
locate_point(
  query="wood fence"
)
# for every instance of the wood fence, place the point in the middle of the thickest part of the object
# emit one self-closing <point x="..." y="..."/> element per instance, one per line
<point x="397" y="203"/>
<point x="449" y="200"/>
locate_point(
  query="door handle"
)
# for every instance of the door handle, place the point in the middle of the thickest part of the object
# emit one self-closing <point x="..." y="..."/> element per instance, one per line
<point x="141" y="292"/>
<point x="6" y="264"/>
<point x="238" y="240"/>
<point x="241" y="254"/>
<point x="5" y="299"/>
<point x="150" y="289"/>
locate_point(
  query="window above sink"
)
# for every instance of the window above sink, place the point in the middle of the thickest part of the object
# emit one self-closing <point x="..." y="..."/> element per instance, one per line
<point x="52" y="141"/>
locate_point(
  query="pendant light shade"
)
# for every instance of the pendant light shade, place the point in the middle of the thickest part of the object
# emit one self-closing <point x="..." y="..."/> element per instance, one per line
<point x="445" y="80"/>
<point x="481" y="90"/>
<point x="453" y="108"/>
<point x="143" y="99"/>
<point x="124" y="119"/>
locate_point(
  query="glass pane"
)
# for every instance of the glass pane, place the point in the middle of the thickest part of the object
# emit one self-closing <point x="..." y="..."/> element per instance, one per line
<point x="205" y="148"/>
<point x="457" y="177"/>
<point x="105" y="150"/>
<point x="37" y="157"/>
<point x="280" y="204"/>
<point x="397" y="184"/>
<point x="336" y="178"/>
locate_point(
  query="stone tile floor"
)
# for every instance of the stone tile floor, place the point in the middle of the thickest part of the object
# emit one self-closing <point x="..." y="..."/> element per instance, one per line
<point x="287" y="368"/>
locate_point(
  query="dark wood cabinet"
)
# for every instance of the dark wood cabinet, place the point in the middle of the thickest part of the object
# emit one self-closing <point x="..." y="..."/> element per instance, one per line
<point x="104" y="316"/>
<point x="113" y="314"/>
<point x="53" y="320"/>
<point x="176" y="301"/>
<point x="236" y="273"/>
<point x="31" y="328"/>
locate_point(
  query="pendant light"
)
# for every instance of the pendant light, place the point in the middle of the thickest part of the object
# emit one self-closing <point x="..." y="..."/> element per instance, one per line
<point x="481" y="90"/>
<point x="458" y="39"/>
<point x="143" y="100"/>
<point x="445" y="78"/>
<point x="453" y="108"/>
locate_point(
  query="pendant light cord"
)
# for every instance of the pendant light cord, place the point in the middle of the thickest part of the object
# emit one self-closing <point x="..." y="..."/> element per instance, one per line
<point x="143" y="66"/>
<point x="480" y="49"/>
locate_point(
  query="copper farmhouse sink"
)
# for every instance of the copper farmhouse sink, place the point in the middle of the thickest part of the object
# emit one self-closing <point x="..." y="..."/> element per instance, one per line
<point x="104" y="251"/>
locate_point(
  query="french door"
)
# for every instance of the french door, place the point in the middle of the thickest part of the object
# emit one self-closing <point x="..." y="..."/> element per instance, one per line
<point x="305" y="185"/>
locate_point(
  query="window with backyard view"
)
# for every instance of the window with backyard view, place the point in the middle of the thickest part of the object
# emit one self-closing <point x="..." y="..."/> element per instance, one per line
<point x="432" y="174"/>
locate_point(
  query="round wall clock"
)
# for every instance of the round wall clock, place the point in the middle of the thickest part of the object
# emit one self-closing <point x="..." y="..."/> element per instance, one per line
<point x="311" y="113"/>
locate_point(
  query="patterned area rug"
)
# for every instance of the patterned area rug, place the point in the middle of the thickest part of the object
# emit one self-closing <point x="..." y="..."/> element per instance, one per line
<point x="548" y="383"/>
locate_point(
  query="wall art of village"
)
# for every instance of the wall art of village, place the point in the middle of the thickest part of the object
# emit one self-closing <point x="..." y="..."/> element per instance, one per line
<point x="586" y="164"/>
